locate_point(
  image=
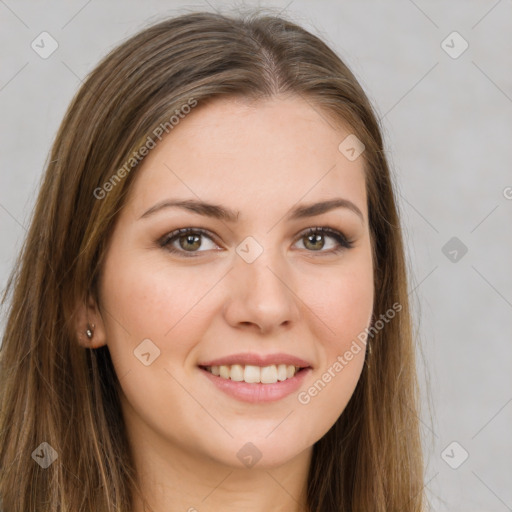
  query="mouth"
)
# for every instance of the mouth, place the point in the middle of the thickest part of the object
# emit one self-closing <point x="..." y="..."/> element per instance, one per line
<point x="252" y="374"/>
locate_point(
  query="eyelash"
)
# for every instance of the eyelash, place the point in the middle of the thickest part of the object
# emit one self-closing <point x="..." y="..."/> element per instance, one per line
<point x="342" y="242"/>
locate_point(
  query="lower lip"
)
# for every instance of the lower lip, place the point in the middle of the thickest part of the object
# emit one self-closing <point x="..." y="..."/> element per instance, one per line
<point x="257" y="393"/>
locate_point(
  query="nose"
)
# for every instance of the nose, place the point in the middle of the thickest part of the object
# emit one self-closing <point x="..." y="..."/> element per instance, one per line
<point x="262" y="295"/>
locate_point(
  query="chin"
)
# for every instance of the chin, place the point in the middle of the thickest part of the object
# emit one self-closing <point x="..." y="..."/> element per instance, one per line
<point x="259" y="453"/>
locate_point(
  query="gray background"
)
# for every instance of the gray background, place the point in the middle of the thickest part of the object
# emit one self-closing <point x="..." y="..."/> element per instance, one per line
<point x="447" y="123"/>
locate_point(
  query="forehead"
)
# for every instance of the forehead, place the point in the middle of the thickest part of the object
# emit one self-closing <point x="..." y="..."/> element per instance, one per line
<point x="245" y="154"/>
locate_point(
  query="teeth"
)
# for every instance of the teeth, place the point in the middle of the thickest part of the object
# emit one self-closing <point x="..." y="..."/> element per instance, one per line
<point x="237" y="372"/>
<point x="224" y="372"/>
<point x="281" y="372"/>
<point x="269" y="374"/>
<point x="252" y="374"/>
<point x="255" y="374"/>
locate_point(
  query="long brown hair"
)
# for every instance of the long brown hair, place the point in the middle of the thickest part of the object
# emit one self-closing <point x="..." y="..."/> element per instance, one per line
<point x="54" y="391"/>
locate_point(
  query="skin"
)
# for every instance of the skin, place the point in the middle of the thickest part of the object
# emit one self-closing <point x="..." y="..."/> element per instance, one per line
<point x="259" y="159"/>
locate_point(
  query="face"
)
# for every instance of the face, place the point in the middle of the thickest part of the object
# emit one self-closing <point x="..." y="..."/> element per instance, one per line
<point x="238" y="323"/>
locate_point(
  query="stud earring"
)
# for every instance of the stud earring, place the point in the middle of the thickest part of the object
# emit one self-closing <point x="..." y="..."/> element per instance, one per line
<point x="89" y="331"/>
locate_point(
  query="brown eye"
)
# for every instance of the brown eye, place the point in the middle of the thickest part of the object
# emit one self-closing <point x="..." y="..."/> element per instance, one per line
<point x="314" y="240"/>
<point x="189" y="241"/>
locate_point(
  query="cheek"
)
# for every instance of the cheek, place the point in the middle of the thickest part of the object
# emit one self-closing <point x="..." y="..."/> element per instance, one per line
<point x="349" y="307"/>
<point x="343" y="302"/>
<point x="343" y="306"/>
<point x="145" y="300"/>
<point x="149" y="300"/>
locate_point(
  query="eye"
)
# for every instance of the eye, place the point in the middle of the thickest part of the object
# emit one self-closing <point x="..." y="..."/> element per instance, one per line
<point x="189" y="240"/>
<point x="314" y="239"/>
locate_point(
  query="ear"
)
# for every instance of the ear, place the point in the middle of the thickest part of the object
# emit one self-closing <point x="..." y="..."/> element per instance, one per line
<point x="88" y="317"/>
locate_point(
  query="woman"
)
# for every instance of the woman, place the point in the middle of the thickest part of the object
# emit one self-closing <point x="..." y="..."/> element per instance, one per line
<point x="210" y="310"/>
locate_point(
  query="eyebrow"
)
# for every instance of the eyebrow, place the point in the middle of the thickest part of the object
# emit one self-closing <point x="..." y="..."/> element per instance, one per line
<point x="219" y="212"/>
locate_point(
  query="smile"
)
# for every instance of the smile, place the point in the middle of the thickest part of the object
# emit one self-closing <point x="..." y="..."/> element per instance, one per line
<point x="252" y="374"/>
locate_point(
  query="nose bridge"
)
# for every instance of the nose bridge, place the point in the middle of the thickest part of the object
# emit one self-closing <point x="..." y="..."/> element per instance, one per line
<point x="266" y="276"/>
<point x="262" y="291"/>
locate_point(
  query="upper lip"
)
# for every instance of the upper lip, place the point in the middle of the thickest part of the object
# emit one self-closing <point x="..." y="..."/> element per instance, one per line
<point x="257" y="360"/>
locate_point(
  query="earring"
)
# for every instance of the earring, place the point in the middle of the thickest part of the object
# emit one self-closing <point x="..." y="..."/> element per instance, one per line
<point x="89" y="331"/>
